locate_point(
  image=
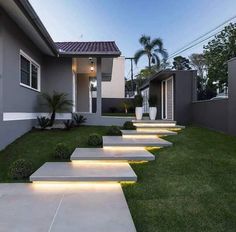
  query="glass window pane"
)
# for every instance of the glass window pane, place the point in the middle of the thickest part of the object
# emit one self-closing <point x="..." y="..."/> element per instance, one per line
<point x="34" y="73"/>
<point x="25" y="71"/>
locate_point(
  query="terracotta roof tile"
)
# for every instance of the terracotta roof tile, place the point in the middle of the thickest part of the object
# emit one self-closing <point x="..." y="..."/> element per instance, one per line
<point x="88" y="48"/>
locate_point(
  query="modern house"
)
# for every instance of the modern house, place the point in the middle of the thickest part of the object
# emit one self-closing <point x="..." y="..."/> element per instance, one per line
<point x="31" y="63"/>
<point x="174" y="94"/>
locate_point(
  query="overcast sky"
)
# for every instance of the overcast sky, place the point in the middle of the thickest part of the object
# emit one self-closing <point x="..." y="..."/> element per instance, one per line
<point x="177" y="22"/>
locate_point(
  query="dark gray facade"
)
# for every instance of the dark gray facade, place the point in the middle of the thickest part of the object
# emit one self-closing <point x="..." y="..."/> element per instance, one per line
<point x="56" y="74"/>
<point x="184" y="82"/>
<point x="232" y="97"/>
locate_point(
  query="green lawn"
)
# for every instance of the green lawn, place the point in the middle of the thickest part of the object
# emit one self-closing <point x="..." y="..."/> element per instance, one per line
<point x="38" y="146"/>
<point x="189" y="187"/>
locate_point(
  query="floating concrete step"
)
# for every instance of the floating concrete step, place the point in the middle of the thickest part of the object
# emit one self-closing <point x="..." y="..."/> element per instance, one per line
<point x="100" y="154"/>
<point x="147" y="133"/>
<point x="154" y="121"/>
<point x="119" y="141"/>
<point x="142" y="126"/>
<point x="86" y="172"/>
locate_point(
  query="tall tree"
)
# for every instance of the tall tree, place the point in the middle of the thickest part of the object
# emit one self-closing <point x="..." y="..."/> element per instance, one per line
<point x="181" y="63"/>
<point x="198" y="62"/>
<point x="218" y="51"/>
<point x="152" y="49"/>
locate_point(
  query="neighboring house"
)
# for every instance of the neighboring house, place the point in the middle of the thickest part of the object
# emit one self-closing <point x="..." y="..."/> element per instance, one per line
<point x="31" y="63"/>
<point x="174" y="94"/>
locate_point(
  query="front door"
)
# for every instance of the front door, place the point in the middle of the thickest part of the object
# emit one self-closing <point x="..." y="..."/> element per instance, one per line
<point x="167" y="99"/>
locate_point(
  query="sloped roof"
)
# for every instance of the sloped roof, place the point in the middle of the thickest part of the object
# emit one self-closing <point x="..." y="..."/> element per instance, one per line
<point x="88" y="48"/>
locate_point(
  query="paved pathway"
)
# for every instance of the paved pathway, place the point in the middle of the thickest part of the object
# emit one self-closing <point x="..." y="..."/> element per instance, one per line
<point x="64" y="208"/>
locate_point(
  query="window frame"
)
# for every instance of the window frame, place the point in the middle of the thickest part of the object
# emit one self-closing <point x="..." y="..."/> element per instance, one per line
<point x="32" y="62"/>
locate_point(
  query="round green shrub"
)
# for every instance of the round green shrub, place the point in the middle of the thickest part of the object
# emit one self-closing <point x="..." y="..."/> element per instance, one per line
<point x="129" y="126"/>
<point x="62" y="151"/>
<point x="95" y="140"/>
<point x="114" y="130"/>
<point x="20" y="169"/>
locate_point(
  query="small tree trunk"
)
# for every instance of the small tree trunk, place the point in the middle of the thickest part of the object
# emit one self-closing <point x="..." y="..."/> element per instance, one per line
<point x="53" y="116"/>
<point x="149" y="62"/>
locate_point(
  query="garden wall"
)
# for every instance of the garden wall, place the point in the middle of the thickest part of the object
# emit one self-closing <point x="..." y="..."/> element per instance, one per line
<point x="108" y="103"/>
<point x="212" y="114"/>
<point x="219" y="114"/>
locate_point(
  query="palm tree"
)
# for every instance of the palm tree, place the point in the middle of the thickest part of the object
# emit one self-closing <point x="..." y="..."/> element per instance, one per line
<point x="151" y="49"/>
<point x="57" y="102"/>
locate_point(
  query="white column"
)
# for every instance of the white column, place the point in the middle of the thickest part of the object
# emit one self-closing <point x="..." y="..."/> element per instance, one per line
<point x="99" y="86"/>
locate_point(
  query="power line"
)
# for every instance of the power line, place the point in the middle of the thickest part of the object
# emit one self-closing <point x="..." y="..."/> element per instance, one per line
<point x="200" y="37"/>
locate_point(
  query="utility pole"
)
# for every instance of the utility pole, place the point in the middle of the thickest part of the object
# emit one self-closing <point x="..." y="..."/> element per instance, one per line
<point x="132" y="73"/>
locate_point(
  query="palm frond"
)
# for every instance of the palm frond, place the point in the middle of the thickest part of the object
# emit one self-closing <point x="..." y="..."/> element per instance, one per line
<point x="163" y="53"/>
<point x="144" y="40"/>
<point x="157" y="61"/>
<point x="157" y="43"/>
<point x="138" y="55"/>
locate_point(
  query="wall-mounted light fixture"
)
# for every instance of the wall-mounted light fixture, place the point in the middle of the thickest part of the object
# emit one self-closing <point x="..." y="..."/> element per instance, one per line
<point x="92" y="66"/>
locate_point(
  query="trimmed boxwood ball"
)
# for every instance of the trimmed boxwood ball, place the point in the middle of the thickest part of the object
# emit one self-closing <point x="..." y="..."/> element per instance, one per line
<point x="62" y="151"/>
<point x="20" y="169"/>
<point x="114" y="130"/>
<point x="129" y="126"/>
<point x="95" y="140"/>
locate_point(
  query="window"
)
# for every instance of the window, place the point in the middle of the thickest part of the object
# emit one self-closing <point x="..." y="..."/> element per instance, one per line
<point x="29" y="72"/>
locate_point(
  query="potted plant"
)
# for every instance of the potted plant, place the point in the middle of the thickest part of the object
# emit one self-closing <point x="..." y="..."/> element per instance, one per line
<point x="152" y="107"/>
<point x="138" y="99"/>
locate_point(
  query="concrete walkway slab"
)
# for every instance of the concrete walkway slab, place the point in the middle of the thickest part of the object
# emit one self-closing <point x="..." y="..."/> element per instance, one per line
<point x="97" y="154"/>
<point x="60" y="208"/>
<point x="119" y="141"/>
<point x="92" y="172"/>
<point x="152" y="132"/>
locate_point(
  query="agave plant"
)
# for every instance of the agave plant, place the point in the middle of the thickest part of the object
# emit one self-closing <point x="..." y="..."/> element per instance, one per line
<point x="79" y="119"/>
<point x="57" y="102"/>
<point x="43" y="122"/>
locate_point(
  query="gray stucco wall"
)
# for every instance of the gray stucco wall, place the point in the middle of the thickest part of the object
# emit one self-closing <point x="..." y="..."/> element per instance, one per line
<point x="232" y="97"/>
<point x="212" y="114"/>
<point x="14" y="97"/>
<point x="183" y="96"/>
<point x="14" y="40"/>
<point x="57" y="76"/>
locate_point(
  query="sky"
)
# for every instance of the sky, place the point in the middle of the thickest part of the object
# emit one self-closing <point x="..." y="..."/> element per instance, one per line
<point x="176" y="22"/>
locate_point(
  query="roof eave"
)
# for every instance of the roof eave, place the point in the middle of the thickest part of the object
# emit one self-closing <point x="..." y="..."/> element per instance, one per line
<point x="31" y="15"/>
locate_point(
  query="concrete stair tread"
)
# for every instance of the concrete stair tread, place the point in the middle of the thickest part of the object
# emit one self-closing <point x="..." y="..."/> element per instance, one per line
<point x="153" y="121"/>
<point x="119" y="141"/>
<point x="69" y="171"/>
<point x="153" y="132"/>
<point x="163" y="126"/>
<point x="107" y="154"/>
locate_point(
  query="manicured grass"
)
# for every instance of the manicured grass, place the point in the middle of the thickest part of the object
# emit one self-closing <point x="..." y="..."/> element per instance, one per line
<point x="189" y="187"/>
<point x="38" y="147"/>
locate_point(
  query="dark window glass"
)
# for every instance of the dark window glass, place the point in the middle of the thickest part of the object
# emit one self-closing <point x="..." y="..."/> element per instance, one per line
<point x="34" y="75"/>
<point x="25" y="71"/>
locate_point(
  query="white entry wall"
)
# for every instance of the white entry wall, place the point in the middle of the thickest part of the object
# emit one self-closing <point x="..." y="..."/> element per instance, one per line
<point x="167" y="99"/>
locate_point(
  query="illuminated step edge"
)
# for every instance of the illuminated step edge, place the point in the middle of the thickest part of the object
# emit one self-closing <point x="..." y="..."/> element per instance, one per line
<point x="147" y="133"/>
<point x="151" y="126"/>
<point x="85" y="172"/>
<point x="119" y="141"/>
<point x="154" y="121"/>
<point x="157" y="125"/>
<point x="100" y="154"/>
